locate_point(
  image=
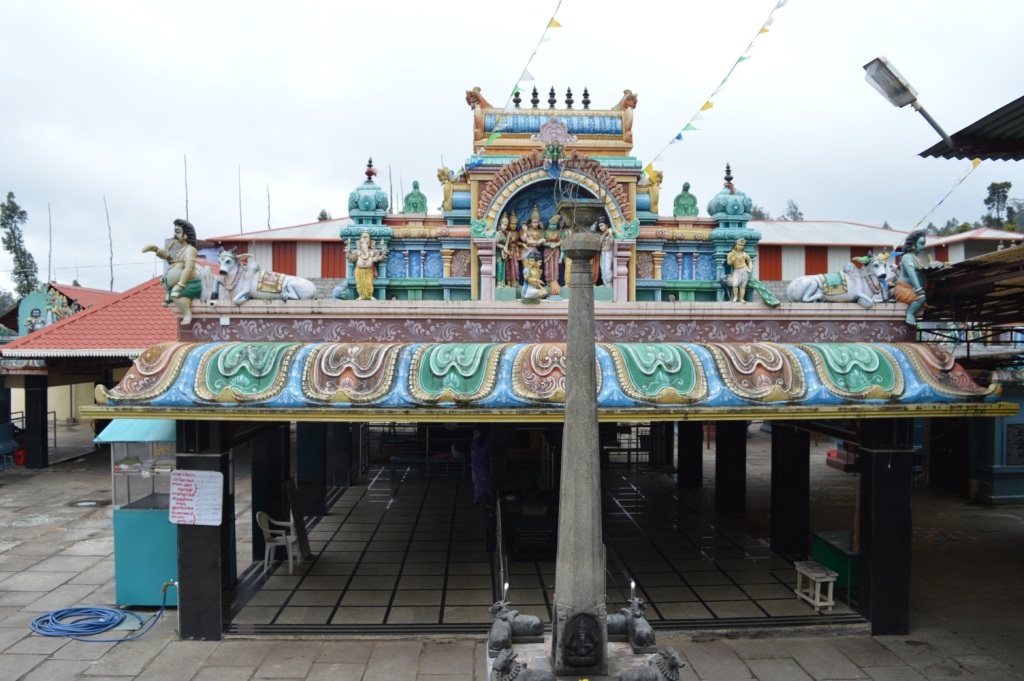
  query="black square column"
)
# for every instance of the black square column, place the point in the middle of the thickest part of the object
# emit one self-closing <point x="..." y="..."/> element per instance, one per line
<point x="690" y="454"/>
<point x="37" y="426"/>
<point x="311" y="466"/>
<point x="731" y="467"/>
<point x="790" y="487"/>
<point x="339" y="454"/>
<point x="5" y="401"/>
<point x="203" y="561"/>
<point x="886" y="515"/>
<point x="271" y="466"/>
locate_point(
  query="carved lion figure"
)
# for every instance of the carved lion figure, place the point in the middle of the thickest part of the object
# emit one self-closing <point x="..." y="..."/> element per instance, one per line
<point x="475" y="99"/>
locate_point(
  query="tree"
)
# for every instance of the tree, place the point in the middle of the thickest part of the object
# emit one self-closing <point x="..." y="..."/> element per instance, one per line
<point x="25" y="274"/>
<point x="759" y="213"/>
<point x="950" y="227"/>
<point x="886" y="225"/>
<point x="792" y="211"/>
<point x="998" y="194"/>
<point x="930" y="228"/>
<point x="7" y="301"/>
<point x="324" y="216"/>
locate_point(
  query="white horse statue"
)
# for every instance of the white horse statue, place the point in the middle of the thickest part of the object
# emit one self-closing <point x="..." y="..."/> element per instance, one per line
<point x="866" y="286"/>
<point x="243" y="280"/>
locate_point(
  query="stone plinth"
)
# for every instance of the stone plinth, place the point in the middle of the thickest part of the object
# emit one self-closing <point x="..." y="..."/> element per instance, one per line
<point x="580" y="640"/>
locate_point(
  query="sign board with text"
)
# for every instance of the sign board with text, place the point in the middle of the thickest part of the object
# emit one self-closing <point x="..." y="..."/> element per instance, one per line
<point x="197" y="497"/>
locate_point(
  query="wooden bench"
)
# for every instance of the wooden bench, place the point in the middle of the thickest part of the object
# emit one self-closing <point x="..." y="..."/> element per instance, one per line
<point x="816" y="574"/>
<point x="428" y="467"/>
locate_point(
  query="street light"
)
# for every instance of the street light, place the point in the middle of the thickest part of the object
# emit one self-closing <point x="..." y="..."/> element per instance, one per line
<point x="884" y="77"/>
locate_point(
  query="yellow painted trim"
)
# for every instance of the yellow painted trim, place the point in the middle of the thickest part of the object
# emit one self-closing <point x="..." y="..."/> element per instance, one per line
<point x="447" y="413"/>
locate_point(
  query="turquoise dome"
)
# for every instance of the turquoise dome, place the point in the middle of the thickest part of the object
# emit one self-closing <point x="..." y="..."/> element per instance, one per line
<point x="368" y="197"/>
<point x="730" y="203"/>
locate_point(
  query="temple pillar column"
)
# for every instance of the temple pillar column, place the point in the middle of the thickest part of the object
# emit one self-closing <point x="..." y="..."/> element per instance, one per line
<point x="271" y="466"/>
<point x="621" y="277"/>
<point x="205" y="551"/>
<point x="5" y="401"/>
<point x="731" y="467"/>
<point x="311" y="466"/>
<point x="887" y="478"/>
<point x="485" y="253"/>
<point x="790" y="490"/>
<point x="339" y="443"/>
<point x="690" y="456"/>
<point x="446" y="259"/>
<point x="37" y="426"/>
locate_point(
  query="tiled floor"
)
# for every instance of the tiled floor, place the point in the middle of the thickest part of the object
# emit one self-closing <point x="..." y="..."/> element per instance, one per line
<point x="409" y="553"/>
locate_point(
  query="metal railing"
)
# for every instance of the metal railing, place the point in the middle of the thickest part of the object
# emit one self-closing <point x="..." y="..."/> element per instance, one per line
<point x="18" y="419"/>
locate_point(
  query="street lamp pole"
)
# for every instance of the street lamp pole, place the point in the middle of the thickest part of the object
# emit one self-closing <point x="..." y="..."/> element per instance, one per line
<point x="884" y="77"/>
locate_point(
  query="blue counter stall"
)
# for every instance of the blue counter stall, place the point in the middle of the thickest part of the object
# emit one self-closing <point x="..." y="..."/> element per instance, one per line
<point x="145" y="542"/>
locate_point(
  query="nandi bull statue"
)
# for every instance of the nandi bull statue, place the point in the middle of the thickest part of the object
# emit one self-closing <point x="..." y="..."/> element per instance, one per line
<point x="632" y="622"/>
<point x="664" y="666"/>
<point x="507" y="668"/>
<point x="245" y="280"/>
<point x="508" y="625"/>
<point x="862" y="286"/>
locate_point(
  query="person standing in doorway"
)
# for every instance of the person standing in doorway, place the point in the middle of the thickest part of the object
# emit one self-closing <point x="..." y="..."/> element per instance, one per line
<point x="480" y="459"/>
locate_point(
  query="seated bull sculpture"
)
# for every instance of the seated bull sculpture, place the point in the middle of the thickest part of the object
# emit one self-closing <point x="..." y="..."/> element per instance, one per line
<point x="509" y="625"/>
<point x="664" y="666"/>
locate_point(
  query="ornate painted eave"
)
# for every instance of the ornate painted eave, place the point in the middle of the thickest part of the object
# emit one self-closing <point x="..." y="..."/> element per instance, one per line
<point x="498" y="381"/>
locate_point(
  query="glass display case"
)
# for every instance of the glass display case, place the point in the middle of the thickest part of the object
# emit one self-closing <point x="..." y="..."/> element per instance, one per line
<point x="142" y="454"/>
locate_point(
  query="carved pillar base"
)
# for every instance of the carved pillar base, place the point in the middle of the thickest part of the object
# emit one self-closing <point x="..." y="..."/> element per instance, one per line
<point x="485" y="253"/>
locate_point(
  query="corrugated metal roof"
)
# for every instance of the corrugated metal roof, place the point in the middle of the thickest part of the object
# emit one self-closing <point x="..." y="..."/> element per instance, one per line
<point x="983" y="234"/>
<point x="997" y="136"/>
<point x="825" y="233"/>
<point x="327" y="230"/>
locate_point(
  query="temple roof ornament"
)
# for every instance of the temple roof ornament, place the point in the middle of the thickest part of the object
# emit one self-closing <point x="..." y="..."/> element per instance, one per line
<point x="730" y="204"/>
<point x="367" y="203"/>
<point x="554" y="130"/>
<point x="685" y="203"/>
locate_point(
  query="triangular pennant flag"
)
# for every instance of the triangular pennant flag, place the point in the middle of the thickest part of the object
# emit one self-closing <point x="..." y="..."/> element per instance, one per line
<point x="707" y="105"/>
<point x="525" y="77"/>
<point x="494" y="136"/>
<point x="650" y="171"/>
<point x="763" y="30"/>
<point x="678" y="138"/>
<point x="509" y="108"/>
<point x="769" y="21"/>
<point x="656" y="159"/>
<point x="475" y="163"/>
<point x="554" y="24"/>
<point x="697" y="117"/>
<point x="975" y="162"/>
<point x="782" y="3"/>
<point x="545" y="39"/>
<point x="742" y="59"/>
<point x="516" y="90"/>
<point x="689" y="126"/>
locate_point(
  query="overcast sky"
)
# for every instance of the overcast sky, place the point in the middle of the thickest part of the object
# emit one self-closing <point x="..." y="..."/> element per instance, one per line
<point x="106" y="98"/>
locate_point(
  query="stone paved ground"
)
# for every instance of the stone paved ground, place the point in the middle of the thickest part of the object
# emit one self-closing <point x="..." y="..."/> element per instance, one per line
<point x="967" y="600"/>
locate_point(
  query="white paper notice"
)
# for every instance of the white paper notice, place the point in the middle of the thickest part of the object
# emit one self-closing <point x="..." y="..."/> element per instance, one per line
<point x="196" y="497"/>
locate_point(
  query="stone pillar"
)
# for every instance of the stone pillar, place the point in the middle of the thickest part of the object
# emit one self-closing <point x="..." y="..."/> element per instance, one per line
<point x="446" y="258"/>
<point x="887" y="478"/>
<point x="311" y="466"/>
<point x="485" y="252"/>
<point x="37" y="425"/>
<point x="790" y="490"/>
<point x="339" y="443"/>
<point x="620" y="278"/>
<point x="657" y="257"/>
<point x="731" y="467"/>
<point x="5" y="401"/>
<point x="690" y="456"/>
<point x="580" y="630"/>
<point x="204" y="561"/>
<point x="271" y="466"/>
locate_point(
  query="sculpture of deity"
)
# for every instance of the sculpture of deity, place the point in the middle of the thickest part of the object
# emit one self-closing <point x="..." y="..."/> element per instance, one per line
<point x="742" y="266"/>
<point x="532" y="234"/>
<point x="910" y="285"/>
<point x="553" y="250"/>
<point x="415" y="201"/>
<point x="365" y="256"/>
<point x="686" y="203"/>
<point x="607" y="250"/>
<point x="533" y="284"/>
<point x="501" y="250"/>
<point x="512" y="251"/>
<point x="181" y="282"/>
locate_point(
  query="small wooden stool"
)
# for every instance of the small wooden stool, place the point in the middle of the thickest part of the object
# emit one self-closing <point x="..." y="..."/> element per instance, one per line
<point x="816" y="574"/>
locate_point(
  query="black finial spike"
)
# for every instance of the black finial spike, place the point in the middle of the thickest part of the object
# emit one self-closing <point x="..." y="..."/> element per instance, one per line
<point x="535" y="99"/>
<point x="516" y="99"/>
<point x="370" y="172"/>
<point x="568" y="98"/>
<point x="552" y="99"/>
<point x="728" y="173"/>
<point x="586" y="99"/>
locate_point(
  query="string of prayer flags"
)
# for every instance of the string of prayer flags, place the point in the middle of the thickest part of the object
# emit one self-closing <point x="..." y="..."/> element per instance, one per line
<point x="744" y="56"/>
<point x="974" y="164"/>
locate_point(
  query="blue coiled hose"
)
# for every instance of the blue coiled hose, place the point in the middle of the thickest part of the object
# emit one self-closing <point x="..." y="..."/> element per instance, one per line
<point x="78" y="622"/>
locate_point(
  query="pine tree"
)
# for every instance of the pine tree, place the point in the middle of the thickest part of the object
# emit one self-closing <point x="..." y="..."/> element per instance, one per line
<point x="25" y="274"/>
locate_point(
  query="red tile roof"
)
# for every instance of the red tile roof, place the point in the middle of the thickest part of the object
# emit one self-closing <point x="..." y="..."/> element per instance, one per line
<point x="86" y="297"/>
<point x="123" y="326"/>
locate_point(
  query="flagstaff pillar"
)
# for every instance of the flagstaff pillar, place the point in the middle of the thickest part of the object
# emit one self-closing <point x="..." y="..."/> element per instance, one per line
<point x="580" y="631"/>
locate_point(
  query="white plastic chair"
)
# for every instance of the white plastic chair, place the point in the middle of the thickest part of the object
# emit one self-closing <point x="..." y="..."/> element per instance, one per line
<point x="274" y="538"/>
